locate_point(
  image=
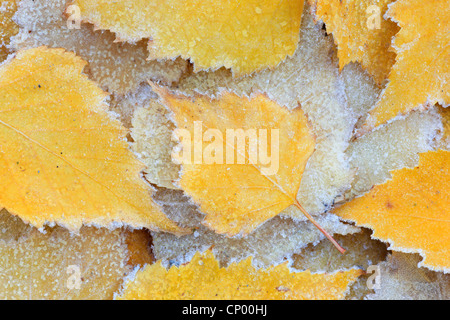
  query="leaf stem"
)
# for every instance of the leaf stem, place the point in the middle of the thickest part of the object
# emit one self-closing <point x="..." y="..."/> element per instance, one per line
<point x="314" y="222"/>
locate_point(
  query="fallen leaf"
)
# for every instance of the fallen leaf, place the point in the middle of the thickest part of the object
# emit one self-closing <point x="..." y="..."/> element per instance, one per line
<point x="401" y="279"/>
<point x="210" y="33"/>
<point x="238" y="197"/>
<point x="65" y="158"/>
<point x="394" y="146"/>
<point x="8" y="26"/>
<point x="118" y="68"/>
<point x="361" y="33"/>
<point x="273" y="241"/>
<point x="420" y="76"/>
<point x="203" y="279"/>
<point x="311" y="78"/>
<point x="362" y="252"/>
<point x="411" y="210"/>
<point x="58" y="265"/>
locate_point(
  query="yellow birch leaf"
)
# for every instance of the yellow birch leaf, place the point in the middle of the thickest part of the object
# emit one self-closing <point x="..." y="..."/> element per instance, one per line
<point x="411" y="210"/>
<point x="311" y="78"/>
<point x="235" y="190"/>
<point x="203" y="279"/>
<point x="420" y="77"/>
<point x="8" y="27"/>
<point x="360" y="32"/>
<point x="210" y="33"/>
<point x="64" y="158"/>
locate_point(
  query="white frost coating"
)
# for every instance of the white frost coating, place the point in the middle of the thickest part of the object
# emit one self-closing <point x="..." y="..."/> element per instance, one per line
<point x="393" y="146"/>
<point x="401" y="279"/>
<point x="131" y="277"/>
<point x="269" y="244"/>
<point x="119" y="68"/>
<point x="152" y="131"/>
<point x="34" y="265"/>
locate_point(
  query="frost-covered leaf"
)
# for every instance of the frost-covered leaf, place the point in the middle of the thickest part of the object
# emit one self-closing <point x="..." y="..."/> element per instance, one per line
<point x="361" y="32"/>
<point x="411" y="210"/>
<point x="420" y="77"/>
<point x="203" y="278"/>
<point x="65" y="159"/>
<point x="116" y="67"/>
<point x="311" y="78"/>
<point x="238" y="195"/>
<point x="273" y="241"/>
<point x="152" y="130"/>
<point x="210" y="33"/>
<point x="362" y="252"/>
<point x="60" y="265"/>
<point x="394" y="146"/>
<point x="361" y="91"/>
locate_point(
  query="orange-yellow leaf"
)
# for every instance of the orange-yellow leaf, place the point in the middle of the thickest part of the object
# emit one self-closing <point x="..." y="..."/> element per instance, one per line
<point x="8" y="27"/>
<point x="420" y="77"/>
<point x="360" y="32"/>
<point x="239" y="195"/>
<point x="203" y="279"/>
<point x="64" y="158"/>
<point x="411" y="211"/>
<point x="245" y="36"/>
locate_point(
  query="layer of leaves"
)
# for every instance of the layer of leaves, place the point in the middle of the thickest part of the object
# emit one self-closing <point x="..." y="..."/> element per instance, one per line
<point x="411" y="210"/>
<point x="420" y="77"/>
<point x="65" y="159"/>
<point x="52" y="265"/>
<point x="311" y="78"/>
<point x="238" y="197"/>
<point x="394" y="146"/>
<point x="362" y="252"/>
<point x="369" y="44"/>
<point x="269" y="244"/>
<point x="116" y="67"/>
<point x="210" y="33"/>
<point x="203" y="278"/>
